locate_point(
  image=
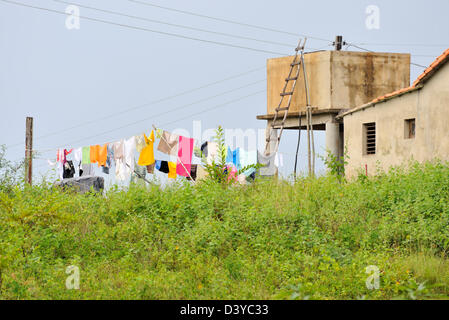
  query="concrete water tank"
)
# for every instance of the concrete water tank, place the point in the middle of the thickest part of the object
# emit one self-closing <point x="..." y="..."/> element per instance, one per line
<point x="338" y="79"/>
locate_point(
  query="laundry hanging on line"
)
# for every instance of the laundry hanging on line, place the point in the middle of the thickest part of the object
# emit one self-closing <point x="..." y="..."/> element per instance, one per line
<point x="269" y="168"/>
<point x="168" y="143"/>
<point x="233" y="156"/>
<point x="122" y="154"/>
<point x="146" y="157"/>
<point x="185" y="152"/>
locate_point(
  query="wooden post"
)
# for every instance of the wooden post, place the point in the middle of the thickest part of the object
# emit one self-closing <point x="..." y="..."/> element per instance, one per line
<point x="29" y="151"/>
<point x="310" y="139"/>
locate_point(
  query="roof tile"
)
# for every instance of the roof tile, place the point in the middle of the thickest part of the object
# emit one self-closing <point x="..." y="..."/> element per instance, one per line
<point x="433" y="67"/>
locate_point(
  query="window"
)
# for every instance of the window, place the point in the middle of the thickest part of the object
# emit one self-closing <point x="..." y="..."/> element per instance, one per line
<point x="409" y="129"/>
<point x="369" y="138"/>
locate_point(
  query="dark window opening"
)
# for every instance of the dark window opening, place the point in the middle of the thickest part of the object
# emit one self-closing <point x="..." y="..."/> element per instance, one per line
<point x="369" y="138"/>
<point x="409" y="129"/>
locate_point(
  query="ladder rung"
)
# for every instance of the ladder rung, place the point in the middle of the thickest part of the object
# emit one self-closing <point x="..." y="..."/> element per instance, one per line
<point x="281" y="122"/>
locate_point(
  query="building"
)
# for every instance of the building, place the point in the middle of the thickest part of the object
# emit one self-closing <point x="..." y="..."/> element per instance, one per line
<point x="338" y="81"/>
<point x="408" y="124"/>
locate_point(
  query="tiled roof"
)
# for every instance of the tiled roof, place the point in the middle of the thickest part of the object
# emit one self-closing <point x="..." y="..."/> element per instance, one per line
<point x="392" y="94"/>
<point x="416" y="85"/>
<point x="432" y="68"/>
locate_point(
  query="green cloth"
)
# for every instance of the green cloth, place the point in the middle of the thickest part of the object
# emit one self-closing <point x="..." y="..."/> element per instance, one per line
<point x="139" y="174"/>
<point x="86" y="155"/>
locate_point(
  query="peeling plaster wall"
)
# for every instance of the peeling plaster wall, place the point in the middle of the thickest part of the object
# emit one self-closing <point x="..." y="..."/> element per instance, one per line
<point x="338" y="79"/>
<point x="430" y="109"/>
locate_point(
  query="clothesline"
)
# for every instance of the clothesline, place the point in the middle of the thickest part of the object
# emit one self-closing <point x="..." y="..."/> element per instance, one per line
<point x="188" y="172"/>
<point x="122" y="152"/>
<point x="84" y="155"/>
<point x="139" y="175"/>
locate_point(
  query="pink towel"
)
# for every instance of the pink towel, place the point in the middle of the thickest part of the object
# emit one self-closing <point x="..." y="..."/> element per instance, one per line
<point x="232" y="173"/>
<point x="185" y="151"/>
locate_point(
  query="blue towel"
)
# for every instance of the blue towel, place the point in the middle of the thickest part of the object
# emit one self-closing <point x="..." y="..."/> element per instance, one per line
<point x="234" y="157"/>
<point x="158" y="164"/>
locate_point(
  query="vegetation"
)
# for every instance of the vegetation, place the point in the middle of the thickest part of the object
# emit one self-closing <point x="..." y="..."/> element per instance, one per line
<point x="269" y="240"/>
<point x="218" y="170"/>
<point x="11" y="173"/>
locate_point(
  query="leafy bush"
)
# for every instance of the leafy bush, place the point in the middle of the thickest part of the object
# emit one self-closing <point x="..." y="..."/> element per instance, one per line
<point x="269" y="240"/>
<point x="219" y="172"/>
<point x="11" y="173"/>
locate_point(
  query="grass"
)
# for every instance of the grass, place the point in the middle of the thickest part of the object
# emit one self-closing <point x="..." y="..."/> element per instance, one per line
<point x="270" y="240"/>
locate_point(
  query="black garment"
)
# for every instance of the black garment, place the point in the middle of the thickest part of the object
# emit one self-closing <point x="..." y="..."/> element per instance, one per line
<point x="193" y="170"/>
<point x="204" y="149"/>
<point x="251" y="177"/>
<point x="105" y="169"/>
<point x="164" y="167"/>
<point x="69" y="170"/>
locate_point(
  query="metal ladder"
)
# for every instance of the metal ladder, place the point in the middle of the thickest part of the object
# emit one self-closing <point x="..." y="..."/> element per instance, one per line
<point x="299" y="53"/>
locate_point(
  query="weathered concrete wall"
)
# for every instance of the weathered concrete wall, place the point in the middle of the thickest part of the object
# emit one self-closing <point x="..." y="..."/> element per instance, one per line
<point x="318" y="75"/>
<point x="359" y="77"/>
<point x="338" y="79"/>
<point x="430" y="109"/>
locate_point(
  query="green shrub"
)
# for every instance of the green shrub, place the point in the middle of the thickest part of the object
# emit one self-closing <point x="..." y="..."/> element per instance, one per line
<point x="270" y="240"/>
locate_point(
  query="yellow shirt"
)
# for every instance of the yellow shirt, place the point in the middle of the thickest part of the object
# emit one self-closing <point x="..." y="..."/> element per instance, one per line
<point x="146" y="157"/>
<point x="172" y="170"/>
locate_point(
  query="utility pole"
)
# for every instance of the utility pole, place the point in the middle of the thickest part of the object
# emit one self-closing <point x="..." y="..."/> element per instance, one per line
<point x="338" y="44"/>
<point x="29" y="151"/>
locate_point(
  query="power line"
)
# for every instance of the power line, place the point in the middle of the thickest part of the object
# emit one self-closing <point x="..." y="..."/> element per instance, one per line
<point x="215" y="107"/>
<point x="227" y="20"/>
<point x="285" y="32"/>
<point x="166" y="112"/>
<point x="189" y="116"/>
<point x="172" y="24"/>
<point x="404" y="45"/>
<point x="424" y="55"/>
<point x="141" y="106"/>
<point x="355" y="46"/>
<point x="145" y="29"/>
<point x="413" y="55"/>
<point x="119" y="113"/>
<point x="165" y="124"/>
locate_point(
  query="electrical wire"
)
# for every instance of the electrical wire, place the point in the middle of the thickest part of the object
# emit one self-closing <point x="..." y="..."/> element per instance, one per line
<point x="228" y="21"/>
<point x="164" y="113"/>
<point x="413" y="55"/>
<point x="355" y="46"/>
<point x="172" y="24"/>
<point x="140" y="106"/>
<point x="98" y="20"/>
<point x="145" y="29"/>
<point x="424" y="55"/>
<point x="214" y="108"/>
<point x="404" y="45"/>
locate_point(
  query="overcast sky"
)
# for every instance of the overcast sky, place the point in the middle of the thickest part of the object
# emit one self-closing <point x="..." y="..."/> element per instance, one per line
<point x="64" y="78"/>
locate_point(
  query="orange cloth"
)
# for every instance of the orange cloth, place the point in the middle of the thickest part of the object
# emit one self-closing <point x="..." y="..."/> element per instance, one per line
<point x="172" y="170"/>
<point x="102" y="155"/>
<point x="94" y="153"/>
<point x="146" y="157"/>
